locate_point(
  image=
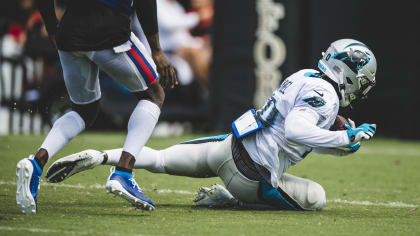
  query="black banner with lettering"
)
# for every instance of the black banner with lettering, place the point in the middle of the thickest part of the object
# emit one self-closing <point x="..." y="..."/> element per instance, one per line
<point x="257" y="43"/>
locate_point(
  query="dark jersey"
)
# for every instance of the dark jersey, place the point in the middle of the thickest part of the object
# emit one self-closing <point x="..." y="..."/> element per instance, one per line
<point x="89" y="25"/>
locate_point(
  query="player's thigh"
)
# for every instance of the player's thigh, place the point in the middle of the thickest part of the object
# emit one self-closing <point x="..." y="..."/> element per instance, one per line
<point x="197" y="158"/>
<point x="134" y="68"/>
<point x="239" y="186"/>
<point x="309" y="194"/>
<point x="81" y="77"/>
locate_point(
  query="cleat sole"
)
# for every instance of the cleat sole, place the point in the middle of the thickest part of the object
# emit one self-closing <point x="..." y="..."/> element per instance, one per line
<point x="24" y="200"/>
<point x="137" y="203"/>
<point x="68" y="166"/>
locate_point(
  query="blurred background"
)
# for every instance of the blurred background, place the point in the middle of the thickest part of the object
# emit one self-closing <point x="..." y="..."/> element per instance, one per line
<point x="229" y="56"/>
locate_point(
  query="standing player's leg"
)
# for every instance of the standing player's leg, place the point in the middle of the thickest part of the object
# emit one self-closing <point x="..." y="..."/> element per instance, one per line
<point x="81" y="79"/>
<point x="134" y="69"/>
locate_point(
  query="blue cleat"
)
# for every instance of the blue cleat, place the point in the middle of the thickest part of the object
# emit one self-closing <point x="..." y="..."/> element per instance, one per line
<point x="28" y="173"/>
<point x="124" y="185"/>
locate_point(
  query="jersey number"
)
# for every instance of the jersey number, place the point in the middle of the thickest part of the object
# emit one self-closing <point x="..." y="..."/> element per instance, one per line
<point x="268" y="113"/>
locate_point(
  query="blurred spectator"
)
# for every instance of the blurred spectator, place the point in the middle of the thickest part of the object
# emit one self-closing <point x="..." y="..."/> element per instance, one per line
<point x="185" y="37"/>
<point x="15" y="26"/>
<point x="205" y="11"/>
<point x="190" y="55"/>
<point x="25" y="47"/>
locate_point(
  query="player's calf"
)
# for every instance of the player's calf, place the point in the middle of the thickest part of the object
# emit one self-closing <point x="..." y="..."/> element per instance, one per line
<point x="155" y="94"/>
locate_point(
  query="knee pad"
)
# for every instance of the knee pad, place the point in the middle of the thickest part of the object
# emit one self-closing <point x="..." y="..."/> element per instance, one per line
<point x="88" y="112"/>
<point x="316" y="198"/>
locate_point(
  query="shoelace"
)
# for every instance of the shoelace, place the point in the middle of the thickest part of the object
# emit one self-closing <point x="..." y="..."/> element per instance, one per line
<point x="112" y="169"/>
<point x="133" y="181"/>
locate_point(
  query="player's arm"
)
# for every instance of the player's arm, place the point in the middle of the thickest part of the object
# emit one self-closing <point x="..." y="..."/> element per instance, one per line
<point x="46" y="8"/>
<point x="147" y="14"/>
<point x="336" y="151"/>
<point x="351" y="148"/>
<point x="301" y="127"/>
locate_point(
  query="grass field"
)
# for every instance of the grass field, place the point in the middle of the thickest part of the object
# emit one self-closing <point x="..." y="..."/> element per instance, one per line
<point x="374" y="192"/>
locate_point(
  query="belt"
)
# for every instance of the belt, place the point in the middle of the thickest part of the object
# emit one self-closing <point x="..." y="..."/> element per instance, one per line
<point x="245" y="164"/>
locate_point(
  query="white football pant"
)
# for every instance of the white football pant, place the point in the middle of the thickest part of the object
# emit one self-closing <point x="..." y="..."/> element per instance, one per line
<point x="214" y="158"/>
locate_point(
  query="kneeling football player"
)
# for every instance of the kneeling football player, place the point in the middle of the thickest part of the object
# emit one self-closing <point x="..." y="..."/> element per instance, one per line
<point x="252" y="161"/>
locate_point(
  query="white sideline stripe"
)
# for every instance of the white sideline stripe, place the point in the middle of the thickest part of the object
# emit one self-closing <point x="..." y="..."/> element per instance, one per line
<point x="99" y="186"/>
<point x="33" y="230"/>
<point x="38" y="230"/>
<point x="185" y="192"/>
<point x="368" y="203"/>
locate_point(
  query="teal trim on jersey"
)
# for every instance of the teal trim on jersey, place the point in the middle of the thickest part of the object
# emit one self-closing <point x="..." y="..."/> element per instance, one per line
<point x="311" y="74"/>
<point x="322" y="67"/>
<point x="207" y="139"/>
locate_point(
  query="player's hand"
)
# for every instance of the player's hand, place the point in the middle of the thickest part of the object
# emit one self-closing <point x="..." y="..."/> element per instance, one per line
<point x="354" y="147"/>
<point x="363" y="132"/>
<point x="51" y="37"/>
<point x="167" y="75"/>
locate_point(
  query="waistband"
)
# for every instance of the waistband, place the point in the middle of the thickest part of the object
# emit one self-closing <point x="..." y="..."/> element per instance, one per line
<point x="246" y="165"/>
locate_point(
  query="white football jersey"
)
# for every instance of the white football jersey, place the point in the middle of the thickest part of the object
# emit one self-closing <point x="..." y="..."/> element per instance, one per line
<point x="305" y="93"/>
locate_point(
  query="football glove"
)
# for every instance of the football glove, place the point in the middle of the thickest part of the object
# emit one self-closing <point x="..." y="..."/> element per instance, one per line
<point x="353" y="147"/>
<point x="362" y="132"/>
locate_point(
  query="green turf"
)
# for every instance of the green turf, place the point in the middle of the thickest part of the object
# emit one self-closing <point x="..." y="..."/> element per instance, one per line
<point x="382" y="171"/>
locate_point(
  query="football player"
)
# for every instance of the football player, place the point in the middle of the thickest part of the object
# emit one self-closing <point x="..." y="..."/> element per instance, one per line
<point x="252" y="161"/>
<point x="91" y="35"/>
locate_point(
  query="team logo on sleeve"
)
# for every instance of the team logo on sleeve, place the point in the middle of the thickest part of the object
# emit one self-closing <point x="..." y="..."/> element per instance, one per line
<point x="315" y="101"/>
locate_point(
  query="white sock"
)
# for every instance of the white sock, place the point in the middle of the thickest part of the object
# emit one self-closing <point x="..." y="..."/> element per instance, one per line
<point x="63" y="130"/>
<point x="149" y="159"/>
<point x="140" y="126"/>
<point x="114" y="156"/>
